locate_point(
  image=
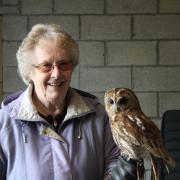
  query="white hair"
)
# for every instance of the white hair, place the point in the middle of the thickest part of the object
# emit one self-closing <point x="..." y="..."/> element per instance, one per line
<point x="46" y="32"/>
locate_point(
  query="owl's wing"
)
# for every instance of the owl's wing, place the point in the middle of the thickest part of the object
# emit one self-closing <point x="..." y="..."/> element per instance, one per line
<point x="152" y="138"/>
<point x="149" y="136"/>
<point x="129" y="128"/>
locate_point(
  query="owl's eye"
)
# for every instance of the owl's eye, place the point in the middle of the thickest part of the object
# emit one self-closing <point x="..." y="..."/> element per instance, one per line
<point x="111" y="101"/>
<point x="123" y="100"/>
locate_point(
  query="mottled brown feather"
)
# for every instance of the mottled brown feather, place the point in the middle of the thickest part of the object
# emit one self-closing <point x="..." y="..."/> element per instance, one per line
<point x="136" y="135"/>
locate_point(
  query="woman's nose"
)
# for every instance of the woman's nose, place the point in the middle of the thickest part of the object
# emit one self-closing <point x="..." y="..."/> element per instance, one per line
<point x="56" y="71"/>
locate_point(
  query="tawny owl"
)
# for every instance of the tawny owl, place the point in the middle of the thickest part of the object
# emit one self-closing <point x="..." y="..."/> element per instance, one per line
<point x="134" y="133"/>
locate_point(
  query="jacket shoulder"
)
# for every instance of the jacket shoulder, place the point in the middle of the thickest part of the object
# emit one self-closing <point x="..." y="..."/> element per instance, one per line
<point x="4" y="112"/>
<point x="4" y="118"/>
<point x="85" y="94"/>
<point x="12" y="97"/>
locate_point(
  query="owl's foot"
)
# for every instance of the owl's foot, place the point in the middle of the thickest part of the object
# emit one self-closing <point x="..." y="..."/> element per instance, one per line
<point x="140" y="169"/>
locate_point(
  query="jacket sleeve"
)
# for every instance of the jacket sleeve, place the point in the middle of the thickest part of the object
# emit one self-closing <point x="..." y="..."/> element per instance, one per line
<point x="2" y="166"/>
<point x="2" y="156"/>
<point x="111" y="151"/>
<point x="117" y="168"/>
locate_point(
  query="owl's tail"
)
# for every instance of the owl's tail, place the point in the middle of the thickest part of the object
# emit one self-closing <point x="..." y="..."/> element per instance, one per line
<point x="163" y="154"/>
<point x="170" y="161"/>
<point x="155" y="169"/>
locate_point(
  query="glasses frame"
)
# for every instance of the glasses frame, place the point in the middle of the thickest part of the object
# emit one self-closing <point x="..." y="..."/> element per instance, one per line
<point x="46" y="67"/>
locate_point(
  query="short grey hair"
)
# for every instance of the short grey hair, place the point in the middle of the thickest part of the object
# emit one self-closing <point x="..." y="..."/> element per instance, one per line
<point x="38" y="32"/>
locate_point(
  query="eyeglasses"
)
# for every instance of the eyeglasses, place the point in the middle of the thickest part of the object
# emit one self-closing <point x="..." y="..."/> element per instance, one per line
<point x="47" y="67"/>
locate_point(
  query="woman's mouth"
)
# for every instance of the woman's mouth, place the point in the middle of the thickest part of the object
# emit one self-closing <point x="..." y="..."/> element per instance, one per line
<point x="56" y="83"/>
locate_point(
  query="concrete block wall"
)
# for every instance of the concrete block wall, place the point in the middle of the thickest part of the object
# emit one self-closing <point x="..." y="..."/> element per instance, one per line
<point x="134" y="44"/>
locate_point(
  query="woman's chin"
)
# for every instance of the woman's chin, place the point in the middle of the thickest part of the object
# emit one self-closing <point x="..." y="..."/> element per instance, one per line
<point x="55" y="94"/>
<point x="55" y="97"/>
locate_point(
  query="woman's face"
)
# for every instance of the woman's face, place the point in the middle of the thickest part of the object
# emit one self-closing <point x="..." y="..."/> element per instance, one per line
<point x="52" y="72"/>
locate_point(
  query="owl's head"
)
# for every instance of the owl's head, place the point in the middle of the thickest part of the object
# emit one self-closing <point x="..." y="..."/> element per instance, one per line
<point x="120" y="100"/>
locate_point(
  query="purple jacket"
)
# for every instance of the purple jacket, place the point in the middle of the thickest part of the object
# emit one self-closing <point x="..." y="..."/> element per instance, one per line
<point x="30" y="149"/>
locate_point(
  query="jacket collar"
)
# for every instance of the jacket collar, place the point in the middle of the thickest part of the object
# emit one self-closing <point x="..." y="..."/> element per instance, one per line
<point x="77" y="106"/>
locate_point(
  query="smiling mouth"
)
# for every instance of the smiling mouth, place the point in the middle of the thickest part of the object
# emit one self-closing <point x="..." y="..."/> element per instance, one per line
<point x="56" y="84"/>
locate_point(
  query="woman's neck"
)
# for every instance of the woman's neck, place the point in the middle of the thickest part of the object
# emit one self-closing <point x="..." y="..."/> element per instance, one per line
<point x="48" y="108"/>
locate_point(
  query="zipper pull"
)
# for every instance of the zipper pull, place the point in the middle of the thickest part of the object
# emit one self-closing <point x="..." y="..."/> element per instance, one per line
<point x="24" y="138"/>
<point x="23" y="134"/>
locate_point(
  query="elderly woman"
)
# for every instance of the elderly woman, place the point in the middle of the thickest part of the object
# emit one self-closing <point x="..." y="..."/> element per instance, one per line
<point x="52" y="131"/>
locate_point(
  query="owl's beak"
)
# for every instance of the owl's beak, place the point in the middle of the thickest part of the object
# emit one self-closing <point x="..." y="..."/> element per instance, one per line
<point x="121" y="104"/>
<point x="116" y="109"/>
